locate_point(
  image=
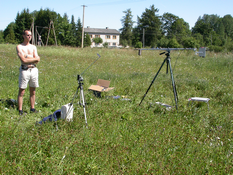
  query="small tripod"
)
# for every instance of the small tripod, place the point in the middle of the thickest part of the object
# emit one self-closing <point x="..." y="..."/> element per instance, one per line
<point x="80" y="87"/>
<point x="168" y="61"/>
<point x="81" y="99"/>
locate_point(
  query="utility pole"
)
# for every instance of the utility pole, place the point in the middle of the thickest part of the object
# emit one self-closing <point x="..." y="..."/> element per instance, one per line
<point x="143" y="37"/>
<point x="83" y="25"/>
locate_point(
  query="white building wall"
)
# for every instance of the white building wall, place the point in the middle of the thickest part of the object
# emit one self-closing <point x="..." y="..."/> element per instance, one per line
<point x="113" y="40"/>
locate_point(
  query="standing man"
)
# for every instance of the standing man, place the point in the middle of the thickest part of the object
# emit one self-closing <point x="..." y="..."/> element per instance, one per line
<point x="28" y="71"/>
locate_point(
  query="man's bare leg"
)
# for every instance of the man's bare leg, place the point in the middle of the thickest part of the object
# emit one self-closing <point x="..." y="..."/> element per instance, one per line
<point x="32" y="97"/>
<point x="20" y="98"/>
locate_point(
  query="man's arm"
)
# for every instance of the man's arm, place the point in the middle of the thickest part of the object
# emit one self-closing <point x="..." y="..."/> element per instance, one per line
<point x="27" y="59"/>
<point x="35" y="54"/>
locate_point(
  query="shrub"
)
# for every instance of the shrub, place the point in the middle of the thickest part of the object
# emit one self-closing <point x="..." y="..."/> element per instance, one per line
<point x="216" y="48"/>
<point x="105" y="45"/>
<point x="138" y="45"/>
<point x="173" y="43"/>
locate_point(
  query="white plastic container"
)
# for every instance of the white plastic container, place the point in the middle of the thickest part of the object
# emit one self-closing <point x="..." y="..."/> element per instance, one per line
<point x="67" y="112"/>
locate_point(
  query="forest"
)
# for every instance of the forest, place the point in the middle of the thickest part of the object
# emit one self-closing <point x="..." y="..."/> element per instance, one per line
<point x="167" y="30"/>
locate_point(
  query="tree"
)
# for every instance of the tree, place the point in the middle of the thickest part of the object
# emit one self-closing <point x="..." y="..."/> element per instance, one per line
<point x="136" y="36"/>
<point x="87" y="40"/>
<point x="204" y="29"/>
<point x="42" y="20"/>
<point x="212" y="28"/>
<point x="173" y="43"/>
<point x="124" y="42"/>
<point x="167" y="21"/>
<point x="23" y="21"/>
<point x="1" y="37"/>
<point x="199" y="38"/>
<point x="227" y="21"/>
<point x="190" y="42"/>
<point x="126" y="30"/>
<point x="9" y="35"/>
<point x="97" y="40"/>
<point x="69" y="30"/>
<point x="163" y="42"/>
<point x="150" y="22"/>
<point x="79" y="33"/>
<point x="173" y="26"/>
<point x="180" y="29"/>
<point x="219" y="27"/>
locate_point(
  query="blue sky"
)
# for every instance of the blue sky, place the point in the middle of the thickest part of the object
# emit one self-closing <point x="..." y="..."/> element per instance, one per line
<point x="108" y="13"/>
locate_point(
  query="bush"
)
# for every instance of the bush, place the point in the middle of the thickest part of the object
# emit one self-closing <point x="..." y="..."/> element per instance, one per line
<point x="173" y="43"/>
<point x="97" y="40"/>
<point x="105" y="45"/>
<point x="124" y="42"/>
<point x="190" y="42"/>
<point x="229" y="46"/>
<point x="163" y="42"/>
<point x="138" y="45"/>
<point x="216" y="48"/>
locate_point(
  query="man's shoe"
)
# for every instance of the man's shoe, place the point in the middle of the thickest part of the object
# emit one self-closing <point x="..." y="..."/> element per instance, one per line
<point x="33" y="110"/>
<point x="21" y="112"/>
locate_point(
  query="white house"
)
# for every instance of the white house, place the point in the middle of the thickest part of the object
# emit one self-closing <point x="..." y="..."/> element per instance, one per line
<point x="110" y="36"/>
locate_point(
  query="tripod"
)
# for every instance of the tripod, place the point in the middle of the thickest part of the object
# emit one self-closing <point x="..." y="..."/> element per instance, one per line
<point x="80" y="87"/>
<point x="168" y="61"/>
<point x="81" y="99"/>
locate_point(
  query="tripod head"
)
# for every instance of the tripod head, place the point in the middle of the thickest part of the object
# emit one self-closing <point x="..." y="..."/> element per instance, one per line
<point x="79" y="78"/>
<point x="167" y="54"/>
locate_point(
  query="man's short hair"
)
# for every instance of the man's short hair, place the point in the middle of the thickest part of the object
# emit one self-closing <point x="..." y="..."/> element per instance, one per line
<point x="25" y="31"/>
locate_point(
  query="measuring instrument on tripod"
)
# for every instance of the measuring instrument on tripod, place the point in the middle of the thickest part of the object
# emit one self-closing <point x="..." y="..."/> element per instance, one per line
<point x="168" y="61"/>
<point x="68" y="109"/>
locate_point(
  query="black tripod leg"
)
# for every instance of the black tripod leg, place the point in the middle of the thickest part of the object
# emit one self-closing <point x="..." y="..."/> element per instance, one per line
<point x="153" y="81"/>
<point x="173" y="84"/>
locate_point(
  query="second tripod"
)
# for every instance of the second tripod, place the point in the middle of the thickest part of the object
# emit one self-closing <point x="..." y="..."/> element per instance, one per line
<point x="168" y="61"/>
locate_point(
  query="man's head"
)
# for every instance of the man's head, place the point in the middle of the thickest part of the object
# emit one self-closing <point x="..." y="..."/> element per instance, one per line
<point x="27" y="35"/>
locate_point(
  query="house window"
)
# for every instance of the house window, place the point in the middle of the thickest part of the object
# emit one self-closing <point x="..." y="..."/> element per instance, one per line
<point x="108" y="37"/>
<point x="114" y="44"/>
<point x="97" y="36"/>
<point x="114" y="37"/>
<point x="91" y="36"/>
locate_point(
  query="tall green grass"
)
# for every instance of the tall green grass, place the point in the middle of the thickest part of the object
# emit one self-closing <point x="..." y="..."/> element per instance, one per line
<point x="122" y="137"/>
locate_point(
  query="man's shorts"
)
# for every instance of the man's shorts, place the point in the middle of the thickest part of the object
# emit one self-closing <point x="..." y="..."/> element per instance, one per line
<point x="28" y="76"/>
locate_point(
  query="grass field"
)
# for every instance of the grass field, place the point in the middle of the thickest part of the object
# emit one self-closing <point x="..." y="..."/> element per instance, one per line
<point x="122" y="137"/>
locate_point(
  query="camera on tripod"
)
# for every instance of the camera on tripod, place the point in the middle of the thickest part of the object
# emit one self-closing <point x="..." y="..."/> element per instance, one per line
<point x="79" y="78"/>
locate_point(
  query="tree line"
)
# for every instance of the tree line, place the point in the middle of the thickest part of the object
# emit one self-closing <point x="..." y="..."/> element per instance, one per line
<point x="150" y="30"/>
<point x="68" y="33"/>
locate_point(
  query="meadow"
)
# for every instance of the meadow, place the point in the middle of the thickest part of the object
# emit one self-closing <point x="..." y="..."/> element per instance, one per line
<point x="122" y="137"/>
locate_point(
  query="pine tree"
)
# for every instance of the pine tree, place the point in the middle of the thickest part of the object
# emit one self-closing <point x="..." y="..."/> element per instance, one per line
<point x="23" y="21"/>
<point x="78" y="33"/>
<point x="1" y="37"/>
<point x="9" y="35"/>
<point x="150" y="22"/>
<point x="126" y="30"/>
